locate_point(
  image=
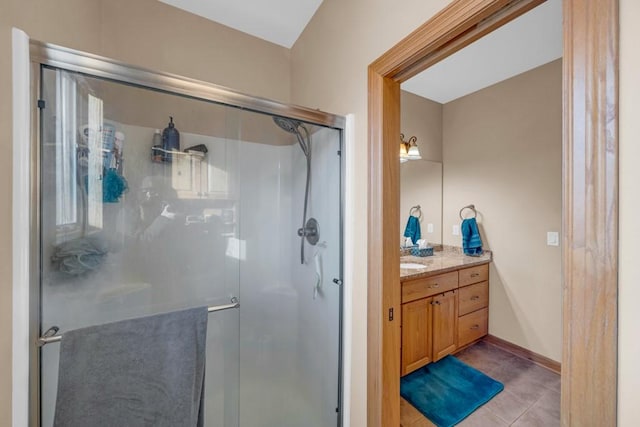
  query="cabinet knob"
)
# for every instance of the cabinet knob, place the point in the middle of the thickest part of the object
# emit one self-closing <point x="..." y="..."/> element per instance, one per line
<point x="475" y="297"/>
<point x="435" y="285"/>
<point x="475" y="274"/>
<point x="435" y="302"/>
<point x="475" y="327"/>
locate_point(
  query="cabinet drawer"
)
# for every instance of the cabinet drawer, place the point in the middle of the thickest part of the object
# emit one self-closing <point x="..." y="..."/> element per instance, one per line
<point x="428" y="286"/>
<point x="473" y="297"/>
<point x="473" y="326"/>
<point x="479" y="273"/>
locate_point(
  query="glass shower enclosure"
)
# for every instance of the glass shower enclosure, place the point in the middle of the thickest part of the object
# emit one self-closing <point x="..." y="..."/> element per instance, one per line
<point x="138" y="219"/>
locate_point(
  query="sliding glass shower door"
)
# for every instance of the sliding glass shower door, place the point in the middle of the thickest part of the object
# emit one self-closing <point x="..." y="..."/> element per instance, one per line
<point x="136" y="220"/>
<point x="290" y="315"/>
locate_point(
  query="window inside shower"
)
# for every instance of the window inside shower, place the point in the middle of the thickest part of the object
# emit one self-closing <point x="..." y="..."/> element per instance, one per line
<point x="133" y="226"/>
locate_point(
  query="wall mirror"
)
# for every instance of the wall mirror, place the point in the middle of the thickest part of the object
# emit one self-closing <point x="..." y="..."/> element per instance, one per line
<point x="421" y="180"/>
<point x="421" y="186"/>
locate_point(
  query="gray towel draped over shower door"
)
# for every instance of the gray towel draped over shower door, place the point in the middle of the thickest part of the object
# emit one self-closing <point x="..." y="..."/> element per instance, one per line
<point x="134" y="373"/>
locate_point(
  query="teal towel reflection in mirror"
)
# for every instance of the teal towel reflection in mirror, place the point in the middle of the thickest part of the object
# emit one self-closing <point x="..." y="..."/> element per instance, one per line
<point x="412" y="229"/>
<point x="471" y="241"/>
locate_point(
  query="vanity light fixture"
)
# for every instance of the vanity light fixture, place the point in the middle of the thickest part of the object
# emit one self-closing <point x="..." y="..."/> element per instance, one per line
<point x="404" y="152"/>
<point x="409" y="149"/>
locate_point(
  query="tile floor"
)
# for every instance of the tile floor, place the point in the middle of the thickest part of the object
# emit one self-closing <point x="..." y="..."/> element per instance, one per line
<point x="531" y="395"/>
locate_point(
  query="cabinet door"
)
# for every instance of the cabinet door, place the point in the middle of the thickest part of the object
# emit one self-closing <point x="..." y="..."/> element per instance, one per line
<point x="416" y="334"/>
<point x="445" y="324"/>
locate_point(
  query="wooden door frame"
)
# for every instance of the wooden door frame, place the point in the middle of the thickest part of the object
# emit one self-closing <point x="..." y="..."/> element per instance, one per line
<point x="590" y="199"/>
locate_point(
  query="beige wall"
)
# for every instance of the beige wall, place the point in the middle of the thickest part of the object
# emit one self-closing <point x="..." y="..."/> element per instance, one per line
<point x="421" y="180"/>
<point x="146" y="33"/>
<point x="502" y="150"/>
<point x="329" y="71"/>
<point x="629" y="275"/>
<point x="422" y="118"/>
<point x="147" y="108"/>
<point x="161" y="37"/>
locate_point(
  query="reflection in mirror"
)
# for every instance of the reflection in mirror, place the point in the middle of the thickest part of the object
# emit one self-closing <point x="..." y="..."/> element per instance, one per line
<point x="421" y="184"/>
<point x="421" y="180"/>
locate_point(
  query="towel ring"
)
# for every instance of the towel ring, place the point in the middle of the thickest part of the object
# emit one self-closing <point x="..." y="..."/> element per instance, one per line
<point x="414" y="209"/>
<point x="472" y="207"/>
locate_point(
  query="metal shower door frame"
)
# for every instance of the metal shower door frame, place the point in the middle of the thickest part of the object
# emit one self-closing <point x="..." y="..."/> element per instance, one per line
<point x="45" y="54"/>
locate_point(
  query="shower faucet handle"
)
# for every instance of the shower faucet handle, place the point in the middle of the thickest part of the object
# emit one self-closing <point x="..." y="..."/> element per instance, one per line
<point x="310" y="231"/>
<point x="304" y="232"/>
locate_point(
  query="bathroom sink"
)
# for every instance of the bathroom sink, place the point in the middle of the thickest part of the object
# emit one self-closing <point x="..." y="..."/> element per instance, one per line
<point x="411" y="265"/>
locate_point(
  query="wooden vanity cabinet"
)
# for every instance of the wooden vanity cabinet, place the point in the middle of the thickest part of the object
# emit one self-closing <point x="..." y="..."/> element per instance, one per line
<point x="443" y="313"/>
<point x="429" y="320"/>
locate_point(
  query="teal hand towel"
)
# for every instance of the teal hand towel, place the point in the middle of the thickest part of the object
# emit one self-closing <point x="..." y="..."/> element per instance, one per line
<point x="412" y="229"/>
<point x="471" y="241"/>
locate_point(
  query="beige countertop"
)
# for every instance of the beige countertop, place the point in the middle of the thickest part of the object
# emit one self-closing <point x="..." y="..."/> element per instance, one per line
<point x="448" y="259"/>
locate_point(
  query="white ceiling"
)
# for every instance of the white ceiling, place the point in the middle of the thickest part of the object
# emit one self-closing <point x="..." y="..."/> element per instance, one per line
<point x="278" y="21"/>
<point x="529" y="41"/>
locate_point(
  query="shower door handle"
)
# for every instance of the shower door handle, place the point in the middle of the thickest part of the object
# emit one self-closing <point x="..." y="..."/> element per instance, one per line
<point x="51" y="335"/>
<point x="234" y="304"/>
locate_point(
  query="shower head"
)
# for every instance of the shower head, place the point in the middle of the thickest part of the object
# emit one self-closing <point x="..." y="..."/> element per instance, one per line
<point x="287" y="125"/>
<point x="295" y="127"/>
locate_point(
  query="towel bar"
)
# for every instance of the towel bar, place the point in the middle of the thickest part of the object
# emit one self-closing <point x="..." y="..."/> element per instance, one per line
<point x="50" y="335"/>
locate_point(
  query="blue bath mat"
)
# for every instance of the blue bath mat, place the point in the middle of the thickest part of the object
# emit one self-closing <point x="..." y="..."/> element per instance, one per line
<point x="448" y="391"/>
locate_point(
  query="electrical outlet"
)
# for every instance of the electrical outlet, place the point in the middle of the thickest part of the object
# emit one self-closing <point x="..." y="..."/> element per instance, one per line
<point x="456" y="230"/>
<point x="429" y="228"/>
<point x="553" y="238"/>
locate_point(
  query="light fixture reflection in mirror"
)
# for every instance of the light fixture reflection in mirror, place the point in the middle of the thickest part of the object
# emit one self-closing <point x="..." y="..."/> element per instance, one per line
<point x="409" y="149"/>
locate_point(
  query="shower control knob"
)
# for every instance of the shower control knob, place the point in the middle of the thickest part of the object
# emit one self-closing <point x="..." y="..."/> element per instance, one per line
<point x="307" y="232"/>
<point x="337" y="282"/>
<point x="310" y="231"/>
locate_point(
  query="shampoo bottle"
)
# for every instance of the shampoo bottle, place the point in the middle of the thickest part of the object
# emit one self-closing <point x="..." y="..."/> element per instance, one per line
<point x="170" y="140"/>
